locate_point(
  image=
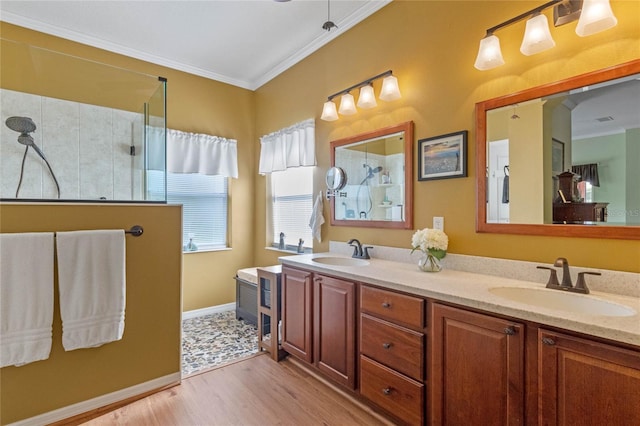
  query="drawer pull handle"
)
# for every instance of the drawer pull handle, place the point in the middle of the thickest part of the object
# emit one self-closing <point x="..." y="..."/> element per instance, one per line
<point x="386" y="345"/>
<point x="386" y="391"/>
<point x="386" y="305"/>
<point x="548" y="341"/>
<point x="509" y="331"/>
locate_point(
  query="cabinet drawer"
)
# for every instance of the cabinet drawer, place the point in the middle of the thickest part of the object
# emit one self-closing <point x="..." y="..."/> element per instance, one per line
<point x="393" y="306"/>
<point x="394" y="346"/>
<point x="392" y="391"/>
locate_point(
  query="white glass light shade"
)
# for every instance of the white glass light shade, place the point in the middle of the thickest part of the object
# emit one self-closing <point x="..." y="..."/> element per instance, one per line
<point x="537" y="37"/>
<point x="489" y="54"/>
<point x="329" y="112"/>
<point x="347" y="105"/>
<point x="390" y="90"/>
<point x="367" y="98"/>
<point x="596" y="16"/>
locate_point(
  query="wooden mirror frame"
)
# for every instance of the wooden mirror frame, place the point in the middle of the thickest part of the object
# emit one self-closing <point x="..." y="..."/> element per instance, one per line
<point x="556" y="230"/>
<point x="407" y="128"/>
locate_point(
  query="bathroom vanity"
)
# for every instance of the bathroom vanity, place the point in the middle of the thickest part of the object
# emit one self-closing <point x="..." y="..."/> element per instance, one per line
<point x="450" y="348"/>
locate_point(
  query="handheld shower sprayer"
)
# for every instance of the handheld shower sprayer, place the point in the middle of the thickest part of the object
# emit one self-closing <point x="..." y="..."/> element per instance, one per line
<point x="25" y="126"/>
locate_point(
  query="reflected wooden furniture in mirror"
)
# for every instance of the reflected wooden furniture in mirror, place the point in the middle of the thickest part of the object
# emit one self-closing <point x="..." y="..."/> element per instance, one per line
<point x="562" y="159"/>
<point x="379" y="170"/>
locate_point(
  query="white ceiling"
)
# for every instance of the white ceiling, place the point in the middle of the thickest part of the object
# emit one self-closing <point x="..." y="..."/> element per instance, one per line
<point x="240" y="42"/>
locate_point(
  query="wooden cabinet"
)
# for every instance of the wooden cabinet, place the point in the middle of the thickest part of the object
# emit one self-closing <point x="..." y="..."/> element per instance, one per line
<point x="319" y="322"/>
<point x="334" y="328"/>
<point x="269" y="307"/>
<point x="392" y="352"/>
<point x="424" y="362"/>
<point x="581" y="381"/>
<point x="476" y="368"/>
<point x="579" y="212"/>
<point x="297" y="314"/>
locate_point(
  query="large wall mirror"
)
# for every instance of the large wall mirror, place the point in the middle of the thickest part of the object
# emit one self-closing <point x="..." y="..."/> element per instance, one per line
<point x="562" y="159"/>
<point x="378" y="167"/>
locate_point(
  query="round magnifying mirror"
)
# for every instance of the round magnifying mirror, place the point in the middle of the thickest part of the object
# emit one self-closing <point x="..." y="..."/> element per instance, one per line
<point x="336" y="178"/>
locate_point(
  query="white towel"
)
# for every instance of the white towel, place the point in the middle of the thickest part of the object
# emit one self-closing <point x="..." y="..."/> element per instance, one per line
<point x="317" y="218"/>
<point x="26" y="297"/>
<point x="92" y="284"/>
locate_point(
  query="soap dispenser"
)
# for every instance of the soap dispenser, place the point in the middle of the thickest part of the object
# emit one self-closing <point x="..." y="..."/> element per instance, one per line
<point x="191" y="246"/>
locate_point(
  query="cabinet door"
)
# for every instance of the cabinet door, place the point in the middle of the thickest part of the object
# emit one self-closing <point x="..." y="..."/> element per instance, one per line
<point x="334" y="328"/>
<point x="297" y="318"/>
<point x="477" y="369"/>
<point x="585" y="382"/>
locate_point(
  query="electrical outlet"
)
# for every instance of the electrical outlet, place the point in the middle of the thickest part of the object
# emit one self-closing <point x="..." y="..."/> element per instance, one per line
<point x="438" y="223"/>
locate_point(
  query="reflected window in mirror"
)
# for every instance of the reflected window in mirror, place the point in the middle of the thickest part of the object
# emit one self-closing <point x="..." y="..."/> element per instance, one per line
<point x="378" y="170"/>
<point x="563" y="158"/>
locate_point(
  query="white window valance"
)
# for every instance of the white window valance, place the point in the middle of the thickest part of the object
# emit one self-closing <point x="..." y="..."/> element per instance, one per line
<point x="294" y="146"/>
<point x="200" y="153"/>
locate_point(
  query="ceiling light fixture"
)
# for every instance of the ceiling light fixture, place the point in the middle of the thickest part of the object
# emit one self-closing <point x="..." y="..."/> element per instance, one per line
<point x="388" y="92"/>
<point x="594" y="16"/>
<point x="329" y="24"/>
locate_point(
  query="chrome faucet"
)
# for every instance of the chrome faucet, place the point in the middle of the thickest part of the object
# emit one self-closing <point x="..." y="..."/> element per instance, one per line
<point x="566" y="284"/>
<point x="359" y="252"/>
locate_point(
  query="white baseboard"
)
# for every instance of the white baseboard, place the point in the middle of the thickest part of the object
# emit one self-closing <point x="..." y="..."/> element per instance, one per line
<point x="208" y="311"/>
<point x="99" y="402"/>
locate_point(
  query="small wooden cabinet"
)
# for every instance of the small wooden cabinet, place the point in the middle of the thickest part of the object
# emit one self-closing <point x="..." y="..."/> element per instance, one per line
<point x="579" y="212"/>
<point x="269" y="307"/>
<point x="477" y="368"/>
<point x="581" y="381"/>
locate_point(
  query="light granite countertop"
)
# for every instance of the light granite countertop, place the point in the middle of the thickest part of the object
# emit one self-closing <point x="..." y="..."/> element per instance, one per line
<point x="473" y="290"/>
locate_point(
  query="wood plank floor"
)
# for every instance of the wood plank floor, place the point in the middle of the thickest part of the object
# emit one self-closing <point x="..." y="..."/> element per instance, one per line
<point x="255" y="391"/>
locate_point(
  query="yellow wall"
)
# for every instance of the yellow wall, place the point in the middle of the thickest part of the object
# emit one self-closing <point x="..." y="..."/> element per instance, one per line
<point x="150" y="346"/>
<point x="199" y="105"/>
<point x="431" y="47"/>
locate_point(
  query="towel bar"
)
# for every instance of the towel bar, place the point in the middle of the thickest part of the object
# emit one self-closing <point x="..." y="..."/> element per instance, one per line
<point x="136" y="230"/>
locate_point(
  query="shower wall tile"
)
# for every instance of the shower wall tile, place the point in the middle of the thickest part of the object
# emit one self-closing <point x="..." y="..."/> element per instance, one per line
<point x="96" y="153"/>
<point x="87" y="147"/>
<point x="12" y="152"/>
<point x="60" y="122"/>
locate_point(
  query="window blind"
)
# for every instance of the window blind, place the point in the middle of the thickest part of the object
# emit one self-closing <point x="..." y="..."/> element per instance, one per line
<point x="292" y="205"/>
<point x="204" y="208"/>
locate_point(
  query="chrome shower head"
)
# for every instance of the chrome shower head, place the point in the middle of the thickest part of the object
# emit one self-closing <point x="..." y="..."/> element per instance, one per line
<point x="23" y="125"/>
<point x="371" y="171"/>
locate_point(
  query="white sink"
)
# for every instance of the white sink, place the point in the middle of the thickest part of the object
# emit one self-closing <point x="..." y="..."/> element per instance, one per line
<point x="563" y="301"/>
<point x="340" y="261"/>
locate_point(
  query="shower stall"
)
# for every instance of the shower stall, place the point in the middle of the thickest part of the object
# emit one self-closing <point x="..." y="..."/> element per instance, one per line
<point x="78" y="130"/>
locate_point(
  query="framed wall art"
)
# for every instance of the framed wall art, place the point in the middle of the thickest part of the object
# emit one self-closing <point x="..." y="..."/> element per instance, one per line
<point x="443" y="157"/>
<point x="557" y="157"/>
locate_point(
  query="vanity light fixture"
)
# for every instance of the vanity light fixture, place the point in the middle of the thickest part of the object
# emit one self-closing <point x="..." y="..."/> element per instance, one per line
<point x="537" y="37"/>
<point x="593" y="16"/>
<point x="347" y="105"/>
<point x="596" y="16"/>
<point x="367" y="98"/>
<point x="388" y="92"/>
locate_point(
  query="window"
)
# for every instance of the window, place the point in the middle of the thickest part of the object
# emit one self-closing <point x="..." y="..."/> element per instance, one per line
<point x="204" y="202"/>
<point x="291" y="206"/>
<point x="586" y="191"/>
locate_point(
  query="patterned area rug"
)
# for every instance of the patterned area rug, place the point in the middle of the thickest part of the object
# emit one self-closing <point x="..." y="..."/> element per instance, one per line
<point x="212" y="340"/>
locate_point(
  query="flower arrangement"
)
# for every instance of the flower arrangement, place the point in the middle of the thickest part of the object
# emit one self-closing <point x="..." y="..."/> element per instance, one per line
<point x="430" y="241"/>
